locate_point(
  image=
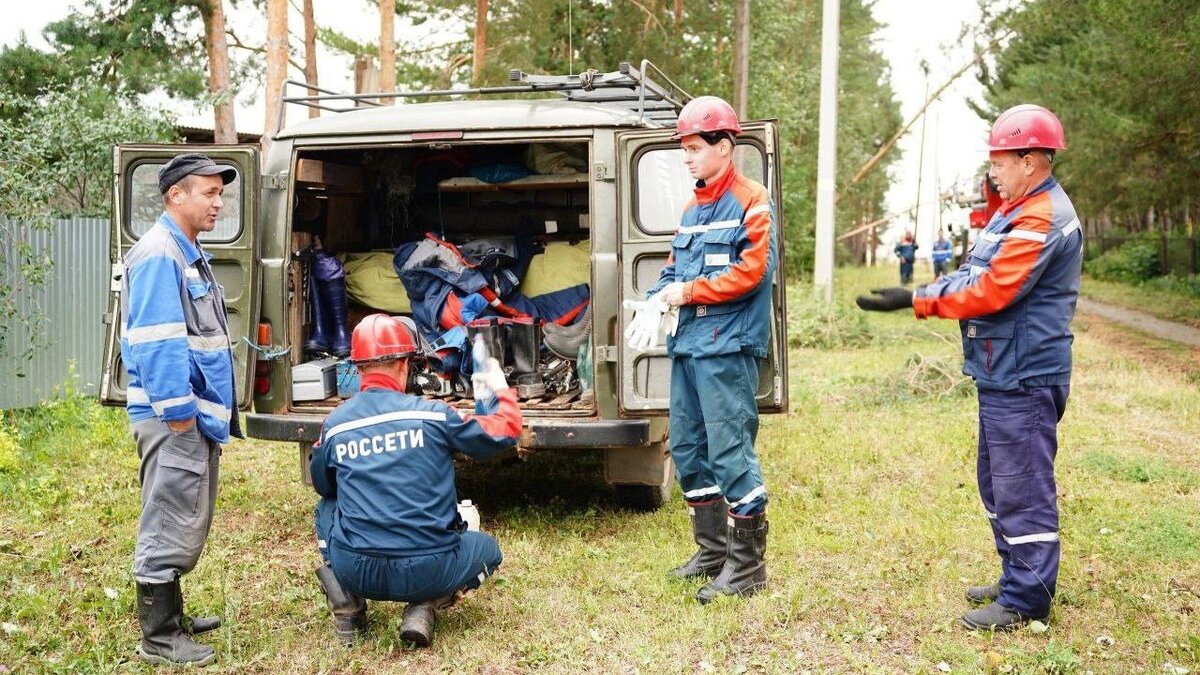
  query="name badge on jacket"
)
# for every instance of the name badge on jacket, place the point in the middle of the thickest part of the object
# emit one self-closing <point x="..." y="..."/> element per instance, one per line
<point x="716" y="259"/>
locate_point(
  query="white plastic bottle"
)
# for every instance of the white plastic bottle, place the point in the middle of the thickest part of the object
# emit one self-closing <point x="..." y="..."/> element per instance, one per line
<point x="479" y="354"/>
<point x="470" y="514"/>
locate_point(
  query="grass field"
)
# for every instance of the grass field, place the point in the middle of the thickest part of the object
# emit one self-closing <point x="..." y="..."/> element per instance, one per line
<point x="875" y="530"/>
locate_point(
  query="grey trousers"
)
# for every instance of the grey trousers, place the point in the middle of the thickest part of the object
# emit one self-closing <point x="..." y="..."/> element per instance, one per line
<point x="179" y="489"/>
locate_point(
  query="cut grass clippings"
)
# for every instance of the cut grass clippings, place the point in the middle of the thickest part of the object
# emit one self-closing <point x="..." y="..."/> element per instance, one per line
<point x="876" y="528"/>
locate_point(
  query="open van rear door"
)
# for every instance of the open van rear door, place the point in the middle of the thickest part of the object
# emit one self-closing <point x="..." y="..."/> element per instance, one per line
<point x="653" y="188"/>
<point x="137" y="205"/>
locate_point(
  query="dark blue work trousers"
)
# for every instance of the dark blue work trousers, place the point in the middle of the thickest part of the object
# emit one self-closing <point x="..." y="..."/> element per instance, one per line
<point x="1018" y="440"/>
<point x="714" y="423"/>
<point x="410" y="578"/>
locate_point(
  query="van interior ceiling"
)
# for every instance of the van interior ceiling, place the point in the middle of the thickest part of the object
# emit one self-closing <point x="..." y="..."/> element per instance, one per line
<point x="469" y="243"/>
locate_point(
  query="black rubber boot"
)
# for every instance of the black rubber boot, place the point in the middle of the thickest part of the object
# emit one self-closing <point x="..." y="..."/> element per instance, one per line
<point x="349" y="611"/>
<point x="524" y="339"/>
<point x="195" y="625"/>
<point x="334" y="291"/>
<point x="163" y="639"/>
<point x="997" y="617"/>
<point x="983" y="594"/>
<point x="318" y="336"/>
<point x="745" y="570"/>
<point x="709" y="528"/>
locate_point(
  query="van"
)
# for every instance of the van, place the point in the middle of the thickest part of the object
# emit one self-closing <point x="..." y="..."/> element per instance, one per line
<point x="590" y="176"/>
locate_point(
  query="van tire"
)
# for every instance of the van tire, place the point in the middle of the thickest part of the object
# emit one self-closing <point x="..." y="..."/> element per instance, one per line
<point x="642" y="497"/>
<point x="641" y="476"/>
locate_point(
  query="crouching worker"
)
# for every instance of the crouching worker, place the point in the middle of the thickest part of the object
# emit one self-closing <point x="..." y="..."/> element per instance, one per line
<point x="387" y="524"/>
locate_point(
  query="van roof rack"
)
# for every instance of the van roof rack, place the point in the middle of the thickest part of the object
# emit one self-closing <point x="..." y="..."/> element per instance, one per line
<point x="655" y="98"/>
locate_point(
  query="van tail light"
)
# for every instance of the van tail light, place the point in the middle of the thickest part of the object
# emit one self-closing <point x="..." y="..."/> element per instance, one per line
<point x="262" y="367"/>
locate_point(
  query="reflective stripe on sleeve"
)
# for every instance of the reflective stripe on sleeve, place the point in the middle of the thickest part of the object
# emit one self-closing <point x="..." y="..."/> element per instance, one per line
<point x="160" y="406"/>
<point x="162" y="331"/>
<point x="1028" y="235"/>
<point x="211" y="409"/>
<point x="1070" y="228"/>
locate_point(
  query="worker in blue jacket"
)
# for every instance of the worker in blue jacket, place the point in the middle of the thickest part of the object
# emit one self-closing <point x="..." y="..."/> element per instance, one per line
<point x="387" y="524"/>
<point x="1014" y="301"/>
<point x="718" y="279"/>
<point x="943" y="250"/>
<point x="181" y="399"/>
<point x="906" y="251"/>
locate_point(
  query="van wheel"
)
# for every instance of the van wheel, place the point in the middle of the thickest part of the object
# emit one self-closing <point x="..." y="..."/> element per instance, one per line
<point x="643" y="497"/>
<point x="642" y="476"/>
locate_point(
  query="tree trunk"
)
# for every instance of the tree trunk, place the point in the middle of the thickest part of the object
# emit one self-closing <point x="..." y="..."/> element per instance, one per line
<point x="387" y="48"/>
<point x="678" y="13"/>
<point x="224" y="129"/>
<point x="741" y="56"/>
<point x="310" y="54"/>
<point x="480" y="54"/>
<point x="277" y="63"/>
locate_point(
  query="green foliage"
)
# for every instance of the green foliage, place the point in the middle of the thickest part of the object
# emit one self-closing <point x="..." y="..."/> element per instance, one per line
<point x="9" y="449"/>
<point x="1121" y="75"/>
<point x="57" y="161"/>
<point x="1188" y="285"/>
<point x="1133" y="262"/>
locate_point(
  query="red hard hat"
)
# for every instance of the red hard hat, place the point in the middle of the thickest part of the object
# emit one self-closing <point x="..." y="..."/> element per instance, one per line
<point x="1027" y="127"/>
<point x="706" y="114"/>
<point x="379" y="338"/>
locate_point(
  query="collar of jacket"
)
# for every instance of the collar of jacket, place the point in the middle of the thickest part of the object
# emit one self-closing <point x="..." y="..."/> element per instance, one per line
<point x="707" y="193"/>
<point x="1008" y="207"/>
<point x="191" y="252"/>
<point x="379" y="381"/>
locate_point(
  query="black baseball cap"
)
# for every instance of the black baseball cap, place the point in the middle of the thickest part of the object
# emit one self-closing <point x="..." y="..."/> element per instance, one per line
<point x="192" y="164"/>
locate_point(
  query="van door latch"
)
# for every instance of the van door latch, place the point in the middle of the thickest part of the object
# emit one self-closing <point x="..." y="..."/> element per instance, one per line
<point x="606" y="354"/>
<point x="274" y="181"/>
<point x="604" y="171"/>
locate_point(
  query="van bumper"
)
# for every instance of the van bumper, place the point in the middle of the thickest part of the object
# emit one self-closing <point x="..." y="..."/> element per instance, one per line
<point x="536" y="434"/>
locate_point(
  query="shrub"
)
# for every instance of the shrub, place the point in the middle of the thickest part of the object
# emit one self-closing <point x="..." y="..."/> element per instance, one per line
<point x="1133" y="262"/>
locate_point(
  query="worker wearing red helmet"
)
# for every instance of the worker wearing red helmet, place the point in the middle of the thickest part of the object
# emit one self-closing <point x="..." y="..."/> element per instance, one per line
<point x="387" y="524"/>
<point x="718" y="280"/>
<point x="1014" y="299"/>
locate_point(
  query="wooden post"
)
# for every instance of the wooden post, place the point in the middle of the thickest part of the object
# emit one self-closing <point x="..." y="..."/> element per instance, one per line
<point x="387" y="49"/>
<point x="310" y="54"/>
<point x="224" y="128"/>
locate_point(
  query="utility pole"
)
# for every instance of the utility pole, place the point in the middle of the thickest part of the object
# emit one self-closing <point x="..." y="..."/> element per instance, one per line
<point x="827" y="152"/>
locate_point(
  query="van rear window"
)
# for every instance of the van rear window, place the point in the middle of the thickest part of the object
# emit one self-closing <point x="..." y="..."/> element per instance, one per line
<point x="664" y="186"/>
<point x="144" y="204"/>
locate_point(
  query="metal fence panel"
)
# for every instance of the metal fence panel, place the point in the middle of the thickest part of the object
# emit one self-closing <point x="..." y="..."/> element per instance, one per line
<point x="73" y="301"/>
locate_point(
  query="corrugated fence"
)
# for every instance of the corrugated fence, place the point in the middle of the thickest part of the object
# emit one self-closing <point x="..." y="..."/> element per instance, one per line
<point x="73" y="301"/>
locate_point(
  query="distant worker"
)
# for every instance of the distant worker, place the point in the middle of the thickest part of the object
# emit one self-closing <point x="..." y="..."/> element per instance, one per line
<point x="943" y="251"/>
<point x="1015" y="301"/>
<point x="387" y="524"/>
<point x="181" y="399"/>
<point x="718" y="279"/>
<point x="906" y="251"/>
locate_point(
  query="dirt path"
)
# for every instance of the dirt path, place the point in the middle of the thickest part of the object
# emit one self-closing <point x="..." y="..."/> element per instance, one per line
<point x="1167" y="330"/>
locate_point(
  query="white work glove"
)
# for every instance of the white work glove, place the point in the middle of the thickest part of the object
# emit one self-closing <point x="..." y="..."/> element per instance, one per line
<point x="672" y="293"/>
<point x="643" y="331"/>
<point x="670" y="321"/>
<point x="490" y="376"/>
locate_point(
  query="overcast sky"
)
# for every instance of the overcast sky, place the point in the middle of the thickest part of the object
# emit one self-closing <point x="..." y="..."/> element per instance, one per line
<point x="954" y="136"/>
